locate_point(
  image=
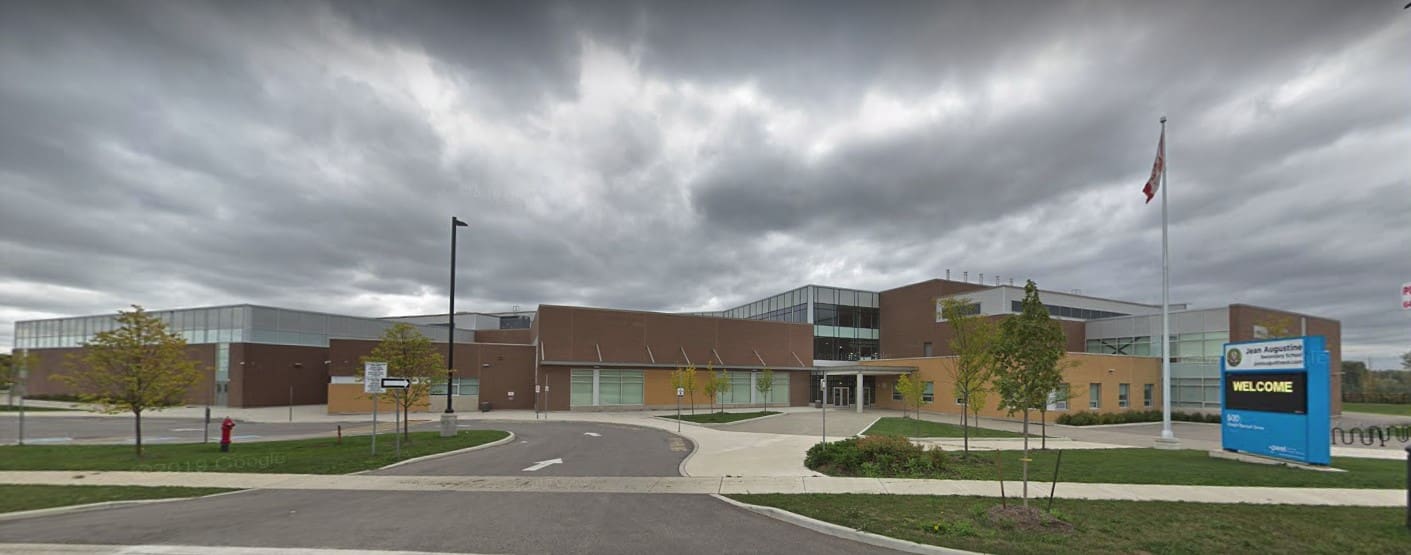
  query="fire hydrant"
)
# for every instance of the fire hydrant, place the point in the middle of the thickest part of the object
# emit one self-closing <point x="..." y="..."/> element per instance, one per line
<point x="225" y="428"/>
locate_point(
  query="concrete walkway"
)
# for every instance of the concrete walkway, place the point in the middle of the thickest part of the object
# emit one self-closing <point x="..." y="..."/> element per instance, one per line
<point x="720" y="485"/>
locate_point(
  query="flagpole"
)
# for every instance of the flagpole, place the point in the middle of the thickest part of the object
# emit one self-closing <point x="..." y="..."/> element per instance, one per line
<point x="1168" y="438"/>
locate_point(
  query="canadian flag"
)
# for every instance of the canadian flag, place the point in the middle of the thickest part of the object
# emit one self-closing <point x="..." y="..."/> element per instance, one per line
<point x="1154" y="184"/>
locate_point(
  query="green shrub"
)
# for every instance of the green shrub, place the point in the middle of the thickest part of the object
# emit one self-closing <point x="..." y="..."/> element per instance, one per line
<point x="875" y="456"/>
<point x="1088" y="418"/>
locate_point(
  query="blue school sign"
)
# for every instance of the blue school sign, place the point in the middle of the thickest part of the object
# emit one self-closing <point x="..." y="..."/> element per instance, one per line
<point x="1274" y="399"/>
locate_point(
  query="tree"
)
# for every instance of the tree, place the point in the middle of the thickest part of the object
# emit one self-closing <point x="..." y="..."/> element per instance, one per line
<point x="1027" y="358"/>
<point x="409" y="354"/>
<point x="714" y="384"/>
<point x="1354" y="377"/>
<point x="7" y="370"/>
<point x="972" y="341"/>
<point x="764" y="383"/>
<point x="912" y="390"/>
<point x="136" y="367"/>
<point x="1406" y="360"/>
<point x="1061" y="393"/>
<point x="685" y="378"/>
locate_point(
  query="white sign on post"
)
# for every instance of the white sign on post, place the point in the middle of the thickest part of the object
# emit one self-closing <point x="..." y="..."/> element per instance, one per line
<point x="680" y="392"/>
<point x="1286" y="354"/>
<point x="1406" y="296"/>
<point x="373" y="372"/>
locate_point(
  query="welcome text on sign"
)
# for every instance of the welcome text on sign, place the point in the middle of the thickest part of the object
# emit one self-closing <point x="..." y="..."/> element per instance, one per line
<point x="1263" y="386"/>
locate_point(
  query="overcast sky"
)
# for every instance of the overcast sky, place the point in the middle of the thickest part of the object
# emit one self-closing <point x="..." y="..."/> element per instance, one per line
<point x="697" y="155"/>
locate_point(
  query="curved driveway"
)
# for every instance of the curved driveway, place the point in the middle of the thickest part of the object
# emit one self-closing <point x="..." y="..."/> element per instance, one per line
<point x="586" y="449"/>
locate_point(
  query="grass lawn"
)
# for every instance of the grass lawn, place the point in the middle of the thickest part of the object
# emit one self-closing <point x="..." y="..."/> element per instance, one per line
<point x="1378" y="408"/>
<point x="27" y="498"/>
<point x="910" y="427"/>
<point x="16" y="408"/>
<point x="1188" y="467"/>
<point x="1112" y="526"/>
<point x="303" y="456"/>
<point x="721" y="417"/>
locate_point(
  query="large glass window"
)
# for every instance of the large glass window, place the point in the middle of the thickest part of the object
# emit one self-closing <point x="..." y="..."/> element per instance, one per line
<point x="738" y="390"/>
<point x="1122" y="395"/>
<point x="459" y="386"/>
<point x="1094" y="395"/>
<point x="929" y="393"/>
<point x="779" y="393"/>
<point x="582" y="389"/>
<point x="1146" y="395"/>
<point x="619" y="387"/>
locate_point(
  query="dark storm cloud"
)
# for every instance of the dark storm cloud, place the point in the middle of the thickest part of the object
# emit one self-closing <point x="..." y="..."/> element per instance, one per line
<point x="684" y="156"/>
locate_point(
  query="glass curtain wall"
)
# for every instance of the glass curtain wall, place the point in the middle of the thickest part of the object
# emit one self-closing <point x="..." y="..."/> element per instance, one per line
<point x="223" y="324"/>
<point x="846" y="322"/>
<point x="1195" y="362"/>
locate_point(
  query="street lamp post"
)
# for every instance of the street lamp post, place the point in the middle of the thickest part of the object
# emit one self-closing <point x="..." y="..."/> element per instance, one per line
<point x="448" y="419"/>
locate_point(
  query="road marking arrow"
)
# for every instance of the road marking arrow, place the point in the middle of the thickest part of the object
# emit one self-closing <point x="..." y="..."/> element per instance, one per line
<point x="542" y="464"/>
<point x="592" y="434"/>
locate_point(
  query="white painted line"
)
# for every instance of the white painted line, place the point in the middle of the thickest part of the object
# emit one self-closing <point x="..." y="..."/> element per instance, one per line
<point x="187" y="429"/>
<point x="542" y="464"/>
<point x="592" y="434"/>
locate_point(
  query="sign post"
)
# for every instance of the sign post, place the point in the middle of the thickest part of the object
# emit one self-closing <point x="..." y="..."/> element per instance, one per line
<point x="680" y="392"/>
<point x="373" y="372"/>
<point x="1274" y="399"/>
<point x="823" y="404"/>
<point x="24" y="389"/>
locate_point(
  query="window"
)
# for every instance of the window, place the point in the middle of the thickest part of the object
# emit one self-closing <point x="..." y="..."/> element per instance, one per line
<point x="1058" y="398"/>
<point x="896" y="393"/>
<point x="926" y="349"/>
<point x="619" y="387"/>
<point x="1146" y="395"/>
<point x="1094" y="395"/>
<point x="779" y="393"/>
<point x="929" y="394"/>
<point x="1122" y="392"/>
<point x="459" y="386"/>
<point x="738" y="391"/>
<point x="582" y="389"/>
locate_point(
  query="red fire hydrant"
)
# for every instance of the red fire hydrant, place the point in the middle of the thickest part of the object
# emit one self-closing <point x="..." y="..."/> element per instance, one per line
<point x="225" y="428"/>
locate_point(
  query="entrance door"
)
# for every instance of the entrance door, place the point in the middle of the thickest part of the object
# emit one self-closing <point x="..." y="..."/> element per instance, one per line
<point x="868" y="398"/>
<point x="842" y="396"/>
<point x="222" y="393"/>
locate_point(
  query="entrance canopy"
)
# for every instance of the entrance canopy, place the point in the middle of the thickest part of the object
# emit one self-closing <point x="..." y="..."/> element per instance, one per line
<point x="852" y="368"/>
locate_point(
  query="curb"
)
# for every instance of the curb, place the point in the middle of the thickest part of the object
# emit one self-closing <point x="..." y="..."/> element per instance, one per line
<point x="869" y="427"/>
<point x="670" y="418"/>
<point x="432" y="456"/>
<point x="66" y="509"/>
<point x="681" y="468"/>
<point x="843" y="532"/>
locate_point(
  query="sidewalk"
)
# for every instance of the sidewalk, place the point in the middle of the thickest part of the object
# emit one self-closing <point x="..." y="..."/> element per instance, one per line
<point x="719" y="485"/>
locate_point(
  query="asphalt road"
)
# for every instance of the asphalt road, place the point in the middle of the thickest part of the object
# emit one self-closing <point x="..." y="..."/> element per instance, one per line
<point x="578" y="523"/>
<point x="586" y="449"/>
<point x="59" y="430"/>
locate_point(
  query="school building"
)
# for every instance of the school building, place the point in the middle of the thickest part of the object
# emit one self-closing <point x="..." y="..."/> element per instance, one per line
<point x="578" y="358"/>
